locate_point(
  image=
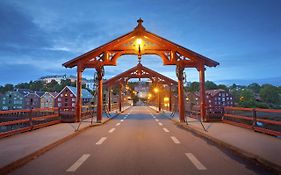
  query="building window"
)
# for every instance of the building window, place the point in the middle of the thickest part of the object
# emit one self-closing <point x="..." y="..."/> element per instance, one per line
<point x="73" y="99"/>
<point x="65" y="95"/>
<point x="59" y="104"/>
<point x="59" y="99"/>
<point x="73" y="104"/>
<point x="71" y="95"/>
<point x="61" y="95"/>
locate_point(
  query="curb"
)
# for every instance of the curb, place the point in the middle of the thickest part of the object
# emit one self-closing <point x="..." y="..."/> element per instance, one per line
<point x="24" y="160"/>
<point x="271" y="166"/>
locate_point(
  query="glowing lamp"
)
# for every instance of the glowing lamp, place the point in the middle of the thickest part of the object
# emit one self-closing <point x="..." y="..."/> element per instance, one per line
<point x="156" y="90"/>
<point x="139" y="41"/>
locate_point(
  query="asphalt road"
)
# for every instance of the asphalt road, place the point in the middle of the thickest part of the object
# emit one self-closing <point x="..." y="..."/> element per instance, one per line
<point x="138" y="142"/>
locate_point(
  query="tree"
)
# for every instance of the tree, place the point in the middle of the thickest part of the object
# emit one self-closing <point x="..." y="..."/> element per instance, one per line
<point x="255" y="87"/>
<point x="270" y="94"/>
<point x="222" y="86"/>
<point x="209" y="85"/>
<point x="194" y="87"/>
<point x="247" y="98"/>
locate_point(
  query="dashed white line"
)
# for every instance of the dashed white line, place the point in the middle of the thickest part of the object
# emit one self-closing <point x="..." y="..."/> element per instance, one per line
<point x="175" y="140"/>
<point x="78" y="163"/>
<point x="195" y="161"/>
<point x="122" y="120"/>
<point x="160" y="124"/>
<point x="117" y="124"/>
<point x="166" y="130"/>
<point x="111" y="130"/>
<point x="101" y="141"/>
<point x="157" y="120"/>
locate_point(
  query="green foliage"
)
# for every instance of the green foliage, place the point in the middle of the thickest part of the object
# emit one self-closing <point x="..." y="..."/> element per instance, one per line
<point x="270" y="94"/>
<point x="7" y="87"/>
<point x="209" y="85"/>
<point x="255" y="87"/>
<point x="222" y="86"/>
<point x="194" y="87"/>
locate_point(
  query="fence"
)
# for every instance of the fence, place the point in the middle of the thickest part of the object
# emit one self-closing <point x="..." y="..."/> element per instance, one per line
<point x="262" y="120"/>
<point x="16" y="121"/>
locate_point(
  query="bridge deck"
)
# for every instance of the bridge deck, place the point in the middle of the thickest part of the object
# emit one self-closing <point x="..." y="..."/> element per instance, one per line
<point x="139" y="141"/>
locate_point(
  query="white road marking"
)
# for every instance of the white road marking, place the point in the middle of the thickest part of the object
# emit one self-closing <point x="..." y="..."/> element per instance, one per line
<point x="195" y="161"/>
<point x="166" y="130"/>
<point x="78" y="163"/>
<point x="157" y="120"/>
<point x="117" y="124"/>
<point x="112" y="130"/>
<point x="101" y="141"/>
<point x="122" y="120"/>
<point x="175" y="140"/>
<point x="160" y="124"/>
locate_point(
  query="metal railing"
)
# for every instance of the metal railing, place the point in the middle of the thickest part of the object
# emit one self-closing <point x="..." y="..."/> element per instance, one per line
<point x="262" y="120"/>
<point x="17" y="121"/>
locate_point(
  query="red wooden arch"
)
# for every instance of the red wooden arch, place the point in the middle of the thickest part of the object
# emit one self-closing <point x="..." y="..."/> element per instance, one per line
<point x="141" y="42"/>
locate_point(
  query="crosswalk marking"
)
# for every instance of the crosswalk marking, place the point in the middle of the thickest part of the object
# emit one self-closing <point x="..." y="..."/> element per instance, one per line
<point x="160" y="124"/>
<point x="117" y="124"/>
<point x="166" y="130"/>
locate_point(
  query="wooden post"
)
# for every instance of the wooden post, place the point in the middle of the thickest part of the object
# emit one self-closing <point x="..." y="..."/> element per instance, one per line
<point x="170" y="99"/>
<point x="79" y="94"/>
<point x="254" y="118"/>
<point x="120" y="98"/>
<point x="99" y="94"/>
<point x="180" y="94"/>
<point x="109" y="99"/>
<point x="202" y="93"/>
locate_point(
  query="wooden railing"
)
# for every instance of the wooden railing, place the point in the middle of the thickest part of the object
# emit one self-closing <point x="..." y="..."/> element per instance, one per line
<point x="17" y="121"/>
<point x="262" y="120"/>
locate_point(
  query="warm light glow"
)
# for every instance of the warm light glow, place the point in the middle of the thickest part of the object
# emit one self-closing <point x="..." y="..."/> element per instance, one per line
<point x="139" y="41"/>
<point x="166" y="99"/>
<point x="156" y="90"/>
<point x="149" y="95"/>
<point x="187" y="98"/>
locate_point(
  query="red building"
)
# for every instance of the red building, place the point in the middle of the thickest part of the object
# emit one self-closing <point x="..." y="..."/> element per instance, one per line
<point x="216" y="100"/>
<point x="66" y="99"/>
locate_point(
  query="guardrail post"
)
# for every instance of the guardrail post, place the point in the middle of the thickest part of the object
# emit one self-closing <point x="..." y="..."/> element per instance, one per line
<point x="254" y="118"/>
<point x="30" y="119"/>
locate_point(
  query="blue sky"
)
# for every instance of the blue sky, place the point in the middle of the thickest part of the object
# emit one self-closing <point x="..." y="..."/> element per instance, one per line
<point x="37" y="36"/>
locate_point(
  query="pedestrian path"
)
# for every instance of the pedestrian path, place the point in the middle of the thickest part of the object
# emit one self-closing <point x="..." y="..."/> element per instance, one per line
<point x="258" y="146"/>
<point x="24" y="146"/>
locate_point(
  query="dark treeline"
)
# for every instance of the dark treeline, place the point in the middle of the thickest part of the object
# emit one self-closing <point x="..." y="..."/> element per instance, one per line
<point x="53" y="86"/>
<point x="253" y="95"/>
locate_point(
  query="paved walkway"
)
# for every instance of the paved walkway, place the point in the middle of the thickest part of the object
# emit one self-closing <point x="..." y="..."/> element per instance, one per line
<point x="264" y="148"/>
<point x="16" y="149"/>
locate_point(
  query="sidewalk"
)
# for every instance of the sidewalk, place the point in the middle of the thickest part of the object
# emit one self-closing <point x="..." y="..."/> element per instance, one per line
<point x="259" y="147"/>
<point x="19" y="149"/>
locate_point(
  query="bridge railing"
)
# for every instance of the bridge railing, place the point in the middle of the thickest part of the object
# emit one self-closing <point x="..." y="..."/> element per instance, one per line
<point x="262" y="120"/>
<point x="17" y="121"/>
